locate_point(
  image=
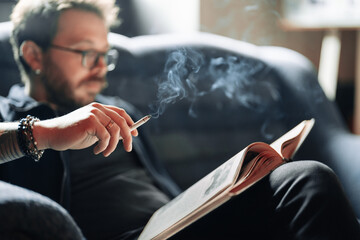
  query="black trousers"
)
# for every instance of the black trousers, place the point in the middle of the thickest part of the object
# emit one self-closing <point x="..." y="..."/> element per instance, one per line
<point x="299" y="200"/>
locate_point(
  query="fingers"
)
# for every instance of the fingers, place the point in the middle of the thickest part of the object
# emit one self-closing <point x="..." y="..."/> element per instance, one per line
<point x="104" y="137"/>
<point x="115" y="123"/>
<point x="123" y="121"/>
<point x="128" y="119"/>
<point x="113" y="131"/>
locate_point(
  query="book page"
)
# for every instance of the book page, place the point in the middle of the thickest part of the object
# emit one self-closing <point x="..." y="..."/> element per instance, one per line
<point x="193" y="198"/>
<point x="267" y="160"/>
<point x="288" y="144"/>
<point x="264" y="160"/>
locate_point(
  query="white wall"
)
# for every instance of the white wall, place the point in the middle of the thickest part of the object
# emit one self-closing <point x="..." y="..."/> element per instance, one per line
<point x="164" y="16"/>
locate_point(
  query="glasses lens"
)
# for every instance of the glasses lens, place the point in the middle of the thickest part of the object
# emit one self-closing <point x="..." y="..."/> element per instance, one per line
<point x="90" y="59"/>
<point x="111" y="59"/>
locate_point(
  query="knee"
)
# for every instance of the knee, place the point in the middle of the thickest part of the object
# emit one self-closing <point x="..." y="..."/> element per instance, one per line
<point x="306" y="177"/>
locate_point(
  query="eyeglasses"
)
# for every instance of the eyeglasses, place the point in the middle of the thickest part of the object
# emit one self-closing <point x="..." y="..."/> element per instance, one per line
<point x="90" y="58"/>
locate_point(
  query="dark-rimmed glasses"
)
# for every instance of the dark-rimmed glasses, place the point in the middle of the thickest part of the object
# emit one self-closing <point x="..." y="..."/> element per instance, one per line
<point x="90" y="58"/>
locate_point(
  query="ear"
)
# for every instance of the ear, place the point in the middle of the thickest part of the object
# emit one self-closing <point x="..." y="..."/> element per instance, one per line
<point x="32" y="54"/>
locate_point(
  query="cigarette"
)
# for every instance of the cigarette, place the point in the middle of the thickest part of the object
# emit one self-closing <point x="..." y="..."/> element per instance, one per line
<point x="139" y="123"/>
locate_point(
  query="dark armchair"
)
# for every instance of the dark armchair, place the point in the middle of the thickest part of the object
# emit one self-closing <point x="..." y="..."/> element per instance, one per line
<point x="217" y="95"/>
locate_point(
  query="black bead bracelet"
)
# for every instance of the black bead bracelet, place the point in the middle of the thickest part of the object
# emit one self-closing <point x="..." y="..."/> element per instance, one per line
<point x="26" y="139"/>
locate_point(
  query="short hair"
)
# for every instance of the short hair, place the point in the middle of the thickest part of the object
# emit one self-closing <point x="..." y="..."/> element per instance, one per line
<point x="37" y="20"/>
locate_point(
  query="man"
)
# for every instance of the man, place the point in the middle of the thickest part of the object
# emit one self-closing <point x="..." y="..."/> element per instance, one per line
<point x="27" y="215"/>
<point x="62" y="51"/>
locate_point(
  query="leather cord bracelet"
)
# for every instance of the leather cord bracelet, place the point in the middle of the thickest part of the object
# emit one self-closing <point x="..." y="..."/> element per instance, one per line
<point x="26" y="139"/>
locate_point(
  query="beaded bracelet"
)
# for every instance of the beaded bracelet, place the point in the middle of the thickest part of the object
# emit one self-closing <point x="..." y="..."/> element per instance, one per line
<point x="26" y="139"/>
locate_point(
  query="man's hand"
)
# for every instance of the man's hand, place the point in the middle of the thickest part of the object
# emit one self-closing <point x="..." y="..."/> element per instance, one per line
<point x="84" y="127"/>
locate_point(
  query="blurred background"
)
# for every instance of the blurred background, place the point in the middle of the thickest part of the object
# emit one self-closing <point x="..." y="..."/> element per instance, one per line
<point x="325" y="31"/>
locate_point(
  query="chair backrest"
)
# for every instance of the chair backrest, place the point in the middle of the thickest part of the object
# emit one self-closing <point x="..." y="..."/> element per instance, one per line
<point x="219" y="95"/>
<point x="8" y="69"/>
<point x="216" y="95"/>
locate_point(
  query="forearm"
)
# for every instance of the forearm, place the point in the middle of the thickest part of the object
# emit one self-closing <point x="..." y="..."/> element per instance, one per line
<point x="9" y="147"/>
<point x="79" y="129"/>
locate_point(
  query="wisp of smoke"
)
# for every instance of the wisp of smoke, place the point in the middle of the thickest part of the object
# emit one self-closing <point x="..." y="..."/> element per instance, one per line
<point x="177" y="83"/>
<point x="229" y="74"/>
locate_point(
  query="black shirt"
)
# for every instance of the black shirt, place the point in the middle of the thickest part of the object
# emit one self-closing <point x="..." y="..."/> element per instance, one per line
<point x="120" y="190"/>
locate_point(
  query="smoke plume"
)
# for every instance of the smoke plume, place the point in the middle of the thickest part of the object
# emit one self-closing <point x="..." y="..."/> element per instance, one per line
<point x="189" y="75"/>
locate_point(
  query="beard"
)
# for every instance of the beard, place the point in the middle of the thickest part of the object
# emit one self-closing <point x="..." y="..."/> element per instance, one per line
<point x="61" y="93"/>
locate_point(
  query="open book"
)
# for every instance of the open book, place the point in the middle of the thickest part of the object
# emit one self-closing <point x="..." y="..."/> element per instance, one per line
<point x="230" y="179"/>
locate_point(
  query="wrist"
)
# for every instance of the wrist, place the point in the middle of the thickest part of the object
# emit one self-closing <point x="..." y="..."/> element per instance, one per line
<point x="40" y="133"/>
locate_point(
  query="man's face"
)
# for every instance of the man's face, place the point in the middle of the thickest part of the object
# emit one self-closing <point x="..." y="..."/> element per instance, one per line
<point x="67" y="82"/>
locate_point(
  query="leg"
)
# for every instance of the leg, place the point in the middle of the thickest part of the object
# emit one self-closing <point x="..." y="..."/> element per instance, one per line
<point x="299" y="200"/>
<point x="312" y="203"/>
<point x="28" y="215"/>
